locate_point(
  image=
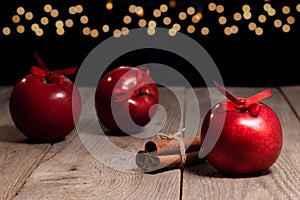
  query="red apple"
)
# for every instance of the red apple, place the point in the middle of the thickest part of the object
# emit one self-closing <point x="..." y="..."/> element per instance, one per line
<point x="45" y="106"/>
<point x="251" y="136"/>
<point x="124" y="97"/>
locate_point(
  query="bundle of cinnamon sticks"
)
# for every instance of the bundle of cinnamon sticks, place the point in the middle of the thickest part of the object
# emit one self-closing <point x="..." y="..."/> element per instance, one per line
<point x="163" y="154"/>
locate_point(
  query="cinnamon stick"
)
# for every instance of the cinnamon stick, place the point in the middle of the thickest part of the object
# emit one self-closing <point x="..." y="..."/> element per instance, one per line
<point x="149" y="162"/>
<point x="169" y="147"/>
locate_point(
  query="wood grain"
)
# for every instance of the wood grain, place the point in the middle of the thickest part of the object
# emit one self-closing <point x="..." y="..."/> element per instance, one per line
<point x="74" y="168"/>
<point x="68" y="170"/>
<point x="18" y="158"/>
<point x="292" y="93"/>
<point x="281" y="182"/>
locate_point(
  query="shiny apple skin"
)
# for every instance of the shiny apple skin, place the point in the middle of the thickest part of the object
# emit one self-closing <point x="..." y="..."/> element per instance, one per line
<point x="43" y="111"/>
<point x="124" y="77"/>
<point x="247" y="144"/>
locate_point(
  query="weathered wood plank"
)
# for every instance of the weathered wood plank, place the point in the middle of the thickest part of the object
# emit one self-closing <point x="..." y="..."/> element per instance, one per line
<point x="283" y="180"/>
<point x="4" y="98"/>
<point x="70" y="171"/>
<point x="18" y="158"/>
<point x="292" y="93"/>
<point x="5" y="92"/>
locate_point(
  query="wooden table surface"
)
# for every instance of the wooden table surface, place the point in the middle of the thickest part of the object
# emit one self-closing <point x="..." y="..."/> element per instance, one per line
<point x="67" y="170"/>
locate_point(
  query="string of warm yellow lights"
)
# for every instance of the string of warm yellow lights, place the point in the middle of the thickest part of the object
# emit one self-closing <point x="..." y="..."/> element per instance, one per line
<point x="190" y="16"/>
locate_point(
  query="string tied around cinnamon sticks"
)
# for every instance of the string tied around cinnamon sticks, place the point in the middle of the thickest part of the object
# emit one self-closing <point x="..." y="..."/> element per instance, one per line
<point x="167" y="152"/>
<point x="178" y="137"/>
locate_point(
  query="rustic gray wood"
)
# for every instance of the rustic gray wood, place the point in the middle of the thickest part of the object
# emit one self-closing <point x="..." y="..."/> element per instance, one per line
<point x="67" y="170"/>
<point x="70" y="171"/>
<point x="292" y="94"/>
<point x="282" y="182"/>
<point x="18" y="158"/>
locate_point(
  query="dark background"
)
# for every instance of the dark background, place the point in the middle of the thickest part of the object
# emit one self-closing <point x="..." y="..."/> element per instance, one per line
<point x="244" y="59"/>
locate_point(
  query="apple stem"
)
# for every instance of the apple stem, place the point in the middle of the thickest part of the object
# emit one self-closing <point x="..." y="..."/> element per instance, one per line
<point x="245" y="103"/>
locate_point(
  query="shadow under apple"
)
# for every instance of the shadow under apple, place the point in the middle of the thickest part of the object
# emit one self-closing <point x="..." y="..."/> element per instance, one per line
<point x="11" y="134"/>
<point x="205" y="169"/>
